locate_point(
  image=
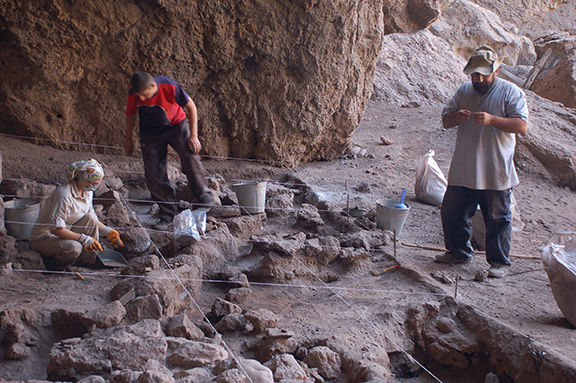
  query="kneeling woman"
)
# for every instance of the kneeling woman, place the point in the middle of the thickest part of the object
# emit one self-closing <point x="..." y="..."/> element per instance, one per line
<point x="67" y="230"/>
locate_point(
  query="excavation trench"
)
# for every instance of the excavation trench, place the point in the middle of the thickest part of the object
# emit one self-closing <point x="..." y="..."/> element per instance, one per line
<point x="306" y="262"/>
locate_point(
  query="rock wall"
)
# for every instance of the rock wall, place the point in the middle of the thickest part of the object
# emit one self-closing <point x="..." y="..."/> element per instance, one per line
<point x="273" y="80"/>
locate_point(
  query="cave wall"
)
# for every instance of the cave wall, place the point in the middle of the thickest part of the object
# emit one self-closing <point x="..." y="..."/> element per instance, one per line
<point x="275" y="80"/>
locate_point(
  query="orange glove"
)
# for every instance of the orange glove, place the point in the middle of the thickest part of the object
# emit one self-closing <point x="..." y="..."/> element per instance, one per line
<point x="114" y="238"/>
<point x="89" y="243"/>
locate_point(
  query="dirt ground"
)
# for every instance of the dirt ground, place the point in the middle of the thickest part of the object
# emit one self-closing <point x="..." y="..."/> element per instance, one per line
<point x="350" y="310"/>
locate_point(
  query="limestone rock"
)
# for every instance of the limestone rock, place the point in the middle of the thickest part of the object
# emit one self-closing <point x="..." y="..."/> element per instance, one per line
<point x="144" y="307"/>
<point x="556" y="80"/>
<point x="155" y="372"/>
<point x="280" y="205"/>
<point x="181" y="326"/>
<point x="164" y="284"/>
<point x="196" y="354"/>
<point x="330" y="248"/>
<point x="291" y="89"/>
<point x="466" y="26"/>
<point x="325" y="360"/>
<point x="309" y="217"/>
<point x="107" y="316"/>
<point x="285" y="366"/>
<point x="262" y="319"/>
<point x="234" y="322"/>
<point x="220" y="308"/>
<point x="546" y="141"/>
<point x="8" y="252"/>
<point x="238" y="295"/>
<point x="128" y="346"/>
<point x="256" y="371"/>
<point x="18" y="351"/>
<point x="136" y="241"/>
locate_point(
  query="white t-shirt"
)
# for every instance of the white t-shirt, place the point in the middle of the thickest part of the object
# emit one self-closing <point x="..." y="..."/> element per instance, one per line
<point x="484" y="156"/>
<point x="62" y="209"/>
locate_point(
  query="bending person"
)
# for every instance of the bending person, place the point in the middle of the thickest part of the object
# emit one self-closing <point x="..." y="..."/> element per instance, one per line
<point x="67" y="230"/>
<point x="167" y="116"/>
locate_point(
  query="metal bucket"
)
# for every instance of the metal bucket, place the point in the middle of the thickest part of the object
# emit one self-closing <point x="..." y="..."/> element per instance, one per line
<point x="251" y="196"/>
<point x="20" y="215"/>
<point x="389" y="217"/>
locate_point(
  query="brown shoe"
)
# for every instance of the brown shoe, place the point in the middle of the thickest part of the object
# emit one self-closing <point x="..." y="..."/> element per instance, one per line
<point x="450" y="258"/>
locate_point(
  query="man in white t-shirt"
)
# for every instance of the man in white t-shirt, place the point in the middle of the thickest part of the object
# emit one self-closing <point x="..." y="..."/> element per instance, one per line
<point x="488" y="112"/>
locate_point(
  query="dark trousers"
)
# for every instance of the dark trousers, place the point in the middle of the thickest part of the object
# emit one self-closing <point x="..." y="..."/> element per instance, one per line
<point x="154" y="147"/>
<point x="458" y="207"/>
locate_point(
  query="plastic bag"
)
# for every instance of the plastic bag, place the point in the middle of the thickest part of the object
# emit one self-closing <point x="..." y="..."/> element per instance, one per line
<point x="559" y="259"/>
<point x="188" y="227"/>
<point x="430" y="183"/>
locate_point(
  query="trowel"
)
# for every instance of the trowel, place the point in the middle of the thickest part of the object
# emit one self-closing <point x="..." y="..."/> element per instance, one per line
<point x="111" y="258"/>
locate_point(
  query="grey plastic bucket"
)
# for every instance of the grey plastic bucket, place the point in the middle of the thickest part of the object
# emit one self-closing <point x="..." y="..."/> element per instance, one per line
<point x="251" y="196"/>
<point x="20" y="216"/>
<point x="388" y="217"/>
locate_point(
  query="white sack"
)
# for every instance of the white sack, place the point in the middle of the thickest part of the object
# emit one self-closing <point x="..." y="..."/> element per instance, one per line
<point x="559" y="259"/>
<point x="430" y="183"/>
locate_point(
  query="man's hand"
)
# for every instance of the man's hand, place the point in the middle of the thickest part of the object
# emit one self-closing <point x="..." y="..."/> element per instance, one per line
<point x="194" y="145"/>
<point x="482" y="118"/>
<point x="463" y="115"/>
<point x="452" y="119"/>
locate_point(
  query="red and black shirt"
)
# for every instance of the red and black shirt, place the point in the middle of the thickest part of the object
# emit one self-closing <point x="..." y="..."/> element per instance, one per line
<point x="164" y="109"/>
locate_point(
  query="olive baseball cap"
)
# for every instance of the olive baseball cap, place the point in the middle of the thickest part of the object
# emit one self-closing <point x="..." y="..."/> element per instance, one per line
<point x="484" y="61"/>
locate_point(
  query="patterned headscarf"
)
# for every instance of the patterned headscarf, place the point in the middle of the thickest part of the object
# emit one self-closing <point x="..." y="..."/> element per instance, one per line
<point x="85" y="170"/>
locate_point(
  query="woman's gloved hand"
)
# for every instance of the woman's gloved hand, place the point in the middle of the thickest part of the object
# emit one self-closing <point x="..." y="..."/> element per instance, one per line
<point x="114" y="237"/>
<point x="89" y="243"/>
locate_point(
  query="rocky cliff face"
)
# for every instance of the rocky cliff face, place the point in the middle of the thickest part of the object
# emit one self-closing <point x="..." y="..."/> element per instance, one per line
<point x="276" y="80"/>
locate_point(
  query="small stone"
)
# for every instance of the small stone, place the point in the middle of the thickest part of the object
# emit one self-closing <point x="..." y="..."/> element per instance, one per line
<point x="386" y="141"/>
<point x="276" y="333"/>
<point x="481" y="276"/>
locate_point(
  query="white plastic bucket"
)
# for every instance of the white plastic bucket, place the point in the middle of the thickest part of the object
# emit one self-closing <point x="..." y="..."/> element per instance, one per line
<point x="20" y="216"/>
<point x="388" y="217"/>
<point x="251" y="196"/>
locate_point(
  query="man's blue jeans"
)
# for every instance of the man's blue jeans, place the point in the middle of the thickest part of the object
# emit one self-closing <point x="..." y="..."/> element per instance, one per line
<point x="459" y="206"/>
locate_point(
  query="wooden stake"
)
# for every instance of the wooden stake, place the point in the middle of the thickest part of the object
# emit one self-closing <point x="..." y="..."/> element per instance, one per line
<point x="478" y="252"/>
<point x="456" y="287"/>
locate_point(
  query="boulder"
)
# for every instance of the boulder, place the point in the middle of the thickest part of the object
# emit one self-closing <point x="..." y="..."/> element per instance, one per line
<point x="286" y="82"/>
<point x="285" y="366"/>
<point x="107" y="316"/>
<point x="409" y="68"/>
<point x="181" y="326"/>
<point x="465" y="26"/>
<point x="168" y="285"/>
<point x="262" y="319"/>
<point x="556" y="78"/>
<point x="121" y="347"/>
<point x="546" y="144"/>
<point x="192" y="354"/>
<point x="325" y="360"/>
